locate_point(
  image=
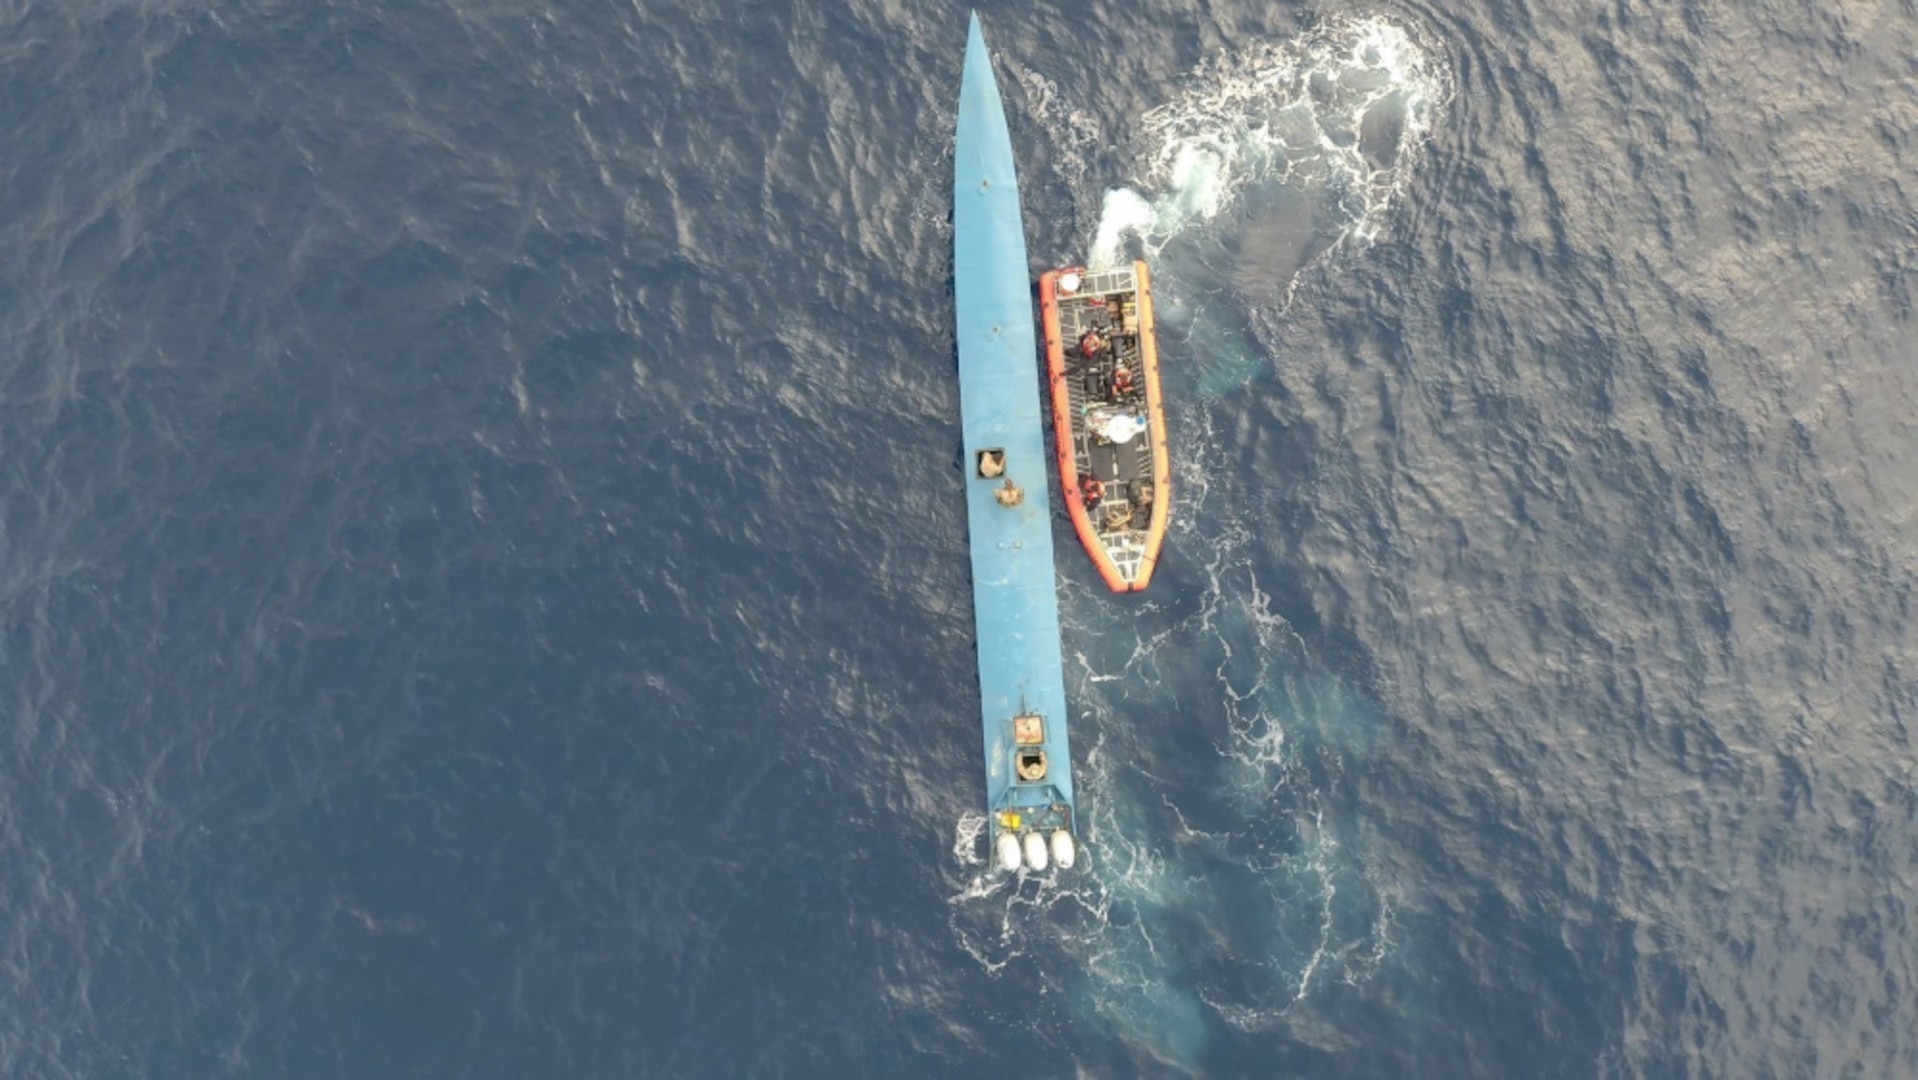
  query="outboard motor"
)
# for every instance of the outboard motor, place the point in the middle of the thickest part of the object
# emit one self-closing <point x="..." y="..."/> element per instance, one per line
<point x="1035" y="851"/>
<point x="1008" y="847"/>
<point x="1064" y="851"/>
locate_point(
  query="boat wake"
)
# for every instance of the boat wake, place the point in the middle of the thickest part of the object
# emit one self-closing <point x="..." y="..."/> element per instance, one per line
<point x="1280" y="153"/>
<point x="1219" y="889"/>
<point x="1222" y="885"/>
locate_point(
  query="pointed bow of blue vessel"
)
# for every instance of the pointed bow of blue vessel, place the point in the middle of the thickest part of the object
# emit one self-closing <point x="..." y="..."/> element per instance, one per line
<point x="1015" y="608"/>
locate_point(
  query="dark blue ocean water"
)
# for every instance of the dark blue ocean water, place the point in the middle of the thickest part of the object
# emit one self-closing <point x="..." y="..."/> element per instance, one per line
<point x="483" y="578"/>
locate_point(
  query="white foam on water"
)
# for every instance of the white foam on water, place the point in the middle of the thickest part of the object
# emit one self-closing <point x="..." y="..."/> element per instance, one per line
<point x="965" y="838"/>
<point x="1244" y="873"/>
<point x="1126" y="213"/>
<point x="1076" y="128"/>
<point x="1177" y="883"/>
<point x="1341" y="113"/>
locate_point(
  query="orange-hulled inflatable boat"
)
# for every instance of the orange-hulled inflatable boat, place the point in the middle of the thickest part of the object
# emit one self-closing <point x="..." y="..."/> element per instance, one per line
<point x="1107" y="416"/>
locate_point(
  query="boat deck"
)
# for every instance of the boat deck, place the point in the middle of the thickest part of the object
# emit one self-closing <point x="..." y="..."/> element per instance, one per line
<point x="1108" y="303"/>
<point x="1022" y="701"/>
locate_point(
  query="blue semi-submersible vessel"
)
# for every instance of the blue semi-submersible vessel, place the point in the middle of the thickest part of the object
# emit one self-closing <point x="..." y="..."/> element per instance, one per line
<point x="1015" y="609"/>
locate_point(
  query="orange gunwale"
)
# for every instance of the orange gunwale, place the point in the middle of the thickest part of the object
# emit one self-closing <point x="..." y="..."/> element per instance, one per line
<point x="1062" y="431"/>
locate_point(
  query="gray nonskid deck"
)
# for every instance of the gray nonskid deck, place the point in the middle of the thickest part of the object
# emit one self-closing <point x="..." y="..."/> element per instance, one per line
<point x="1125" y="469"/>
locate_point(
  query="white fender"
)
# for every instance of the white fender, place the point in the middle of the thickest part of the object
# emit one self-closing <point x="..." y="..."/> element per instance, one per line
<point x="1035" y="851"/>
<point x="1008" y="846"/>
<point x="1064" y="851"/>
